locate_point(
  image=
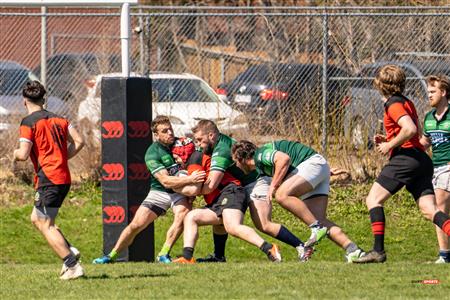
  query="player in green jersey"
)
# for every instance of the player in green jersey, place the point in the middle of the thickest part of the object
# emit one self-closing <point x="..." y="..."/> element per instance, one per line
<point x="436" y="133"/>
<point x="218" y="145"/>
<point x="297" y="171"/>
<point x="160" y="162"/>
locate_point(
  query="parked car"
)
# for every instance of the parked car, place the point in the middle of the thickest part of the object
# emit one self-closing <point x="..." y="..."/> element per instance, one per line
<point x="266" y="89"/>
<point x="13" y="77"/>
<point x="185" y="98"/>
<point x="364" y="109"/>
<point x="67" y="72"/>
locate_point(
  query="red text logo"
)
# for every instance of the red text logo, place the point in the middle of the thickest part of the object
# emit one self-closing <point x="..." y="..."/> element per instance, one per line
<point x="113" y="172"/>
<point x="113" y="129"/>
<point x="138" y="129"/>
<point x="138" y="171"/>
<point x="115" y="214"/>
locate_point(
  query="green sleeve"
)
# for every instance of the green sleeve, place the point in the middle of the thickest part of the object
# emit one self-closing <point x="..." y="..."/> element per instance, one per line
<point x="267" y="157"/>
<point x="221" y="160"/>
<point x="153" y="161"/>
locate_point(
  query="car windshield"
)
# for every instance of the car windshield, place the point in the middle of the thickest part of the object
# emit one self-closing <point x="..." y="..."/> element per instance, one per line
<point x="182" y="90"/>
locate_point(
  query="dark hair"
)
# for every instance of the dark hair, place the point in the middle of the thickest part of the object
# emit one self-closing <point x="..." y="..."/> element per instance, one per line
<point x="34" y="91"/>
<point x="158" y="120"/>
<point x="390" y="80"/>
<point x="205" y="126"/>
<point x="243" y="150"/>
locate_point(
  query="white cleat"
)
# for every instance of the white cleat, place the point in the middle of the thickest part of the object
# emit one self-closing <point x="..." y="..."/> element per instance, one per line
<point x="73" y="272"/>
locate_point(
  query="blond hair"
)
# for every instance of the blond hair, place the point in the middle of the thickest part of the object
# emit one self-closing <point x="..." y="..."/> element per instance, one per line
<point x="440" y="81"/>
<point x="158" y="120"/>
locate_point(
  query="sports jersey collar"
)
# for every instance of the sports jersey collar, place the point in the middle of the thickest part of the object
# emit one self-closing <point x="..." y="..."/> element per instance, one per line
<point x="395" y="99"/>
<point x="444" y="116"/>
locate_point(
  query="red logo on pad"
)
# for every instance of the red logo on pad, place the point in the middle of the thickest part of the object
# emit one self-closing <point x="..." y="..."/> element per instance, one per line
<point x="138" y="129"/>
<point x="115" y="214"/>
<point x="112" y="129"/>
<point x="113" y="172"/>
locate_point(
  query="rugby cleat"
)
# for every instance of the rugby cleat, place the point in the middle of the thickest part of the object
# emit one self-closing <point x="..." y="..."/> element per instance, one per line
<point x="352" y="256"/>
<point x="371" y="257"/>
<point x="317" y="234"/>
<point x="165" y="259"/>
<point x="441" y="260"/>
<point x="182" y="260"/>
<point x="73" y="272"/>
<point x="274" y="254"/>
<point x="304" y="253"/>
<point x="212" y="258"/>
<point x="105" y="259"/>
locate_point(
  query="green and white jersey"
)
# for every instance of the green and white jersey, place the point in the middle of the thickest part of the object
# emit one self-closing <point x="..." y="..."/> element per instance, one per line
<point x="221" y="160"/>
<point x="439" y="134"/>
<point x="157" y="158"/>
<point x="264" y="156"/>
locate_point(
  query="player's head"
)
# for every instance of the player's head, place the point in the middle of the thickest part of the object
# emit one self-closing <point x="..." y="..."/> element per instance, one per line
<point x="206" y="135"/>
<point x="162" y="130"/>
<point x="34" y="92"/>
<point x="390" y="80"/>
<point x="438" y="89"/>
<point x="242" y="154"/>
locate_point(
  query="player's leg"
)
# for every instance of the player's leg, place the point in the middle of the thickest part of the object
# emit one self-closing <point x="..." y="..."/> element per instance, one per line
<point x="180" y="209"/>
<point x="261" y="214"/>
<point x="220" y="237"/>
<point x="318" y="206"/>
<point x="234" y="204"/>
<point x="155" y="205"/>
<point x="443" y="204"/>
<point x="194" y="219"/>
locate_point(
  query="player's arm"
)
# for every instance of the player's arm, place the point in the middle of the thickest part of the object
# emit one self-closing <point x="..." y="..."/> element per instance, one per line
<point x="212" y="182"/>
<point x="190" y="190"/>
<point x="407" y="131"/>
<point x="24" y="150"/>
<point x="281" y="162"/>
<point x="76" y="142"/>
<point x="175" y="182"/>
<point x="425" y="141"/>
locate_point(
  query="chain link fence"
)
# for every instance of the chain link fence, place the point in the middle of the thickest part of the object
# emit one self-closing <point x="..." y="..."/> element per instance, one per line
<point x="297" y="73"/>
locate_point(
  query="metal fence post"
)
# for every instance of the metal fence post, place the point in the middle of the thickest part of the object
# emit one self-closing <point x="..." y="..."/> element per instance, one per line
<point x="324" y="80"/>
<point x="44" y="45"/>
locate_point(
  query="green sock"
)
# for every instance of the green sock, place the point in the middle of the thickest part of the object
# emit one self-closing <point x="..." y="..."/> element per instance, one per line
<point x="113" y="254"/>
<point x="164" y="250"/>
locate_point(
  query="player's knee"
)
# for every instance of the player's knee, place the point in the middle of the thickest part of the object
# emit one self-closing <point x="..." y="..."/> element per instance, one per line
<point x="190" y="218"/>
<point x="136" y="226"/>
<point x="232" y="228"/>
<point x="281" y="197"/>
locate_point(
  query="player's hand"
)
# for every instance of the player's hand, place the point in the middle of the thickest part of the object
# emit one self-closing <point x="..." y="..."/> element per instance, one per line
<point x="379" y="138"/>
<point x="198" y="176"/>
<point x="337" y="171"/>
<point x="383" y="148"/>
<point x="271" y="194"/>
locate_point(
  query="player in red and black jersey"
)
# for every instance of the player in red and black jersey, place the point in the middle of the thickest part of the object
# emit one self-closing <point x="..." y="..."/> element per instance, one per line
<point x="49" y="140"/>
<point x="224" y="205"/>
<point x="408" y="165"/>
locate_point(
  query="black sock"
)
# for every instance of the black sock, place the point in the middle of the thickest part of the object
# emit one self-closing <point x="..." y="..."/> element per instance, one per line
<point x="70" y="260"/>
<point x="442" y="220"/>
<point x="378" y="223"/>
<point x="219" y="244"/>
<point x="288" y="237"/>
<point x="188" y="252"/>
<point x="265" y="247"/>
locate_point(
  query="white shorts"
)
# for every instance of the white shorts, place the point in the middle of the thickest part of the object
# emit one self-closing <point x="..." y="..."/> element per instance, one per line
<point x="258" y="189"/>
<point x="316" y="171"/>
<point x="441" y="178"/>
<point x="159" y="201"/>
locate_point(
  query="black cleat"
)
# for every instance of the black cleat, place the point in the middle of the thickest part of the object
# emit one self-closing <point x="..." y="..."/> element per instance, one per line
<point x="212" y="258"/>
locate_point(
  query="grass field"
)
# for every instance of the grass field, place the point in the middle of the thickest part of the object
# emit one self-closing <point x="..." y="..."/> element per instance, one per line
<point x="29" y="269"/>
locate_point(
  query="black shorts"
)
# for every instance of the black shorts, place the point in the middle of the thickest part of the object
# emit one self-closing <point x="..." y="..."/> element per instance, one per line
<point x="232" y="196"/>
<point x="412" y="168"/>
<point x="51" y="195"/>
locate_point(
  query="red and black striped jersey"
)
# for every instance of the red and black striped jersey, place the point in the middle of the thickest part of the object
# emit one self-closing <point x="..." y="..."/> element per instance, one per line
<point x="48" y="133"/>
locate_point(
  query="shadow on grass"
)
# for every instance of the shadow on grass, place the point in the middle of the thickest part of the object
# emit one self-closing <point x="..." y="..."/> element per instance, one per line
<point x="106" y="276"/>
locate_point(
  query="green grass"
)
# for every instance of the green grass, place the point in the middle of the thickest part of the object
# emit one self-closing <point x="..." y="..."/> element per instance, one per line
<point x="29" y="268"/>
